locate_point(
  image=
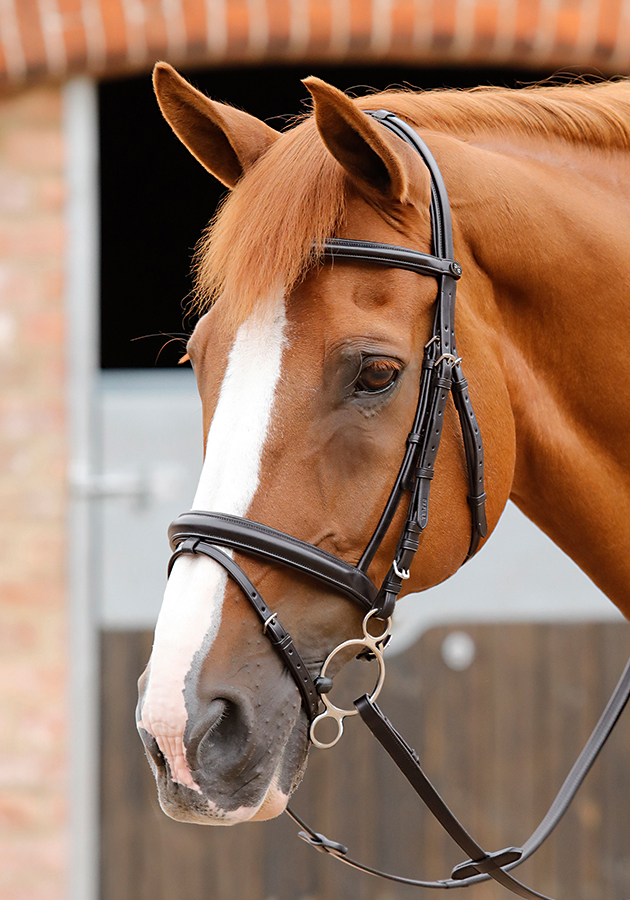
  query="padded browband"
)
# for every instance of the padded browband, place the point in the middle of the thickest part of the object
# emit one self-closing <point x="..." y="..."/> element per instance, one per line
<point x="260" y="540"/>
<point x="392" y="256"/>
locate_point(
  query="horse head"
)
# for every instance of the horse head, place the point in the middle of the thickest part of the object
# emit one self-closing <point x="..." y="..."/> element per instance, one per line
<point x="309" y="373"/>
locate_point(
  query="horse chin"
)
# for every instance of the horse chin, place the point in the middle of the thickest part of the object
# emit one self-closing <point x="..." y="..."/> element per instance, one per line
<point x="185" y="805"/>
<point x="273" y="805"/>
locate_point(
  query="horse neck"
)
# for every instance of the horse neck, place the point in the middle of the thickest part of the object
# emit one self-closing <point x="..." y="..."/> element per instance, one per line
<point x="547" y="228"/>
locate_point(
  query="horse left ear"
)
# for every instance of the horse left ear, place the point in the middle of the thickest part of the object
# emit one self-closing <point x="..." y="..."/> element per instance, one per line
<point x="225" y="140"/>
<point x="358" y="143"/>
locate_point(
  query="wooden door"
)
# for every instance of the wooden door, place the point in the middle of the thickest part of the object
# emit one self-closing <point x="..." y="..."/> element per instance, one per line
<point x="497" y="737"/>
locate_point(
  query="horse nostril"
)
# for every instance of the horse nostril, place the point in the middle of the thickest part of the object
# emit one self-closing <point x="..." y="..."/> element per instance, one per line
<point x="222" y="736"/>
<point x="217" y="711"/>
<point x="219" y="724"/>
<point x="151" y="747"/>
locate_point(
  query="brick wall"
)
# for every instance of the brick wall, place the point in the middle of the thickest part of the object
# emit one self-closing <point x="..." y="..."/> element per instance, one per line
<point x="33" y="664"/>
<point x="59" y="37"/>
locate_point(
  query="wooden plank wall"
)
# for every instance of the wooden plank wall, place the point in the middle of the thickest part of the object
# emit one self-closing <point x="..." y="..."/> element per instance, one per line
<point x="497" y="738"/>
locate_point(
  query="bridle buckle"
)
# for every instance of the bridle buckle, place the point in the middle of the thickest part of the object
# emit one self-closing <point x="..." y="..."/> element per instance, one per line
<point x="454" y="360"/>
<point x="403" y="574"/>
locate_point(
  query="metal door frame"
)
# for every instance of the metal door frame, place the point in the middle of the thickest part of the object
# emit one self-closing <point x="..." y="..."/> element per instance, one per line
<point x="80" y="126"/>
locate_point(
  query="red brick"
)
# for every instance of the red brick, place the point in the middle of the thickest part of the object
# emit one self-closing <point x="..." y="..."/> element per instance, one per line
<point x="609" y="23"/>
<point x="73" y="31"/>
<point x="195" y="12"/>
<point x="486" y="16"/>
<point x="17" y="637"/>
<point x="114" y="26"/>
<point x="19" y="287"/>
<point x="321" y="24"/>
<point x="20" y="812"/>
<point x="33" y="602"/>
<point x="137" y="45"/>
<point x="34" y="149"/>
<point x="35" y="595"/>
<point x="41" y="105"/>
<point x="403" y="24"/>
<point x="52" y="283"/>
<point x="444" y="22"/>
<point x="30" y="239"/>
<point x="45" y="327"/>
<point x="16" y="192"/>
<point x="568" y="23"/>
<point x="33" y="46"/>
<point x="51" y="194"/>
<point x="35" y="863"/>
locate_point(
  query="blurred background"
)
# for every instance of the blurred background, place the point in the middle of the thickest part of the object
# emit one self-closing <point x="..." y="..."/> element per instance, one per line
<point x="496" y="677"/>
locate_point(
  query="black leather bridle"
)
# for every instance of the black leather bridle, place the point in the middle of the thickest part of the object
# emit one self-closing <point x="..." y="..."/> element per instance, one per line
<point x="198" y="532"/>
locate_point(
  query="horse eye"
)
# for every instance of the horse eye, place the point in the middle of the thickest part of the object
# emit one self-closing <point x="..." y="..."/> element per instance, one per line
<point x="376" y="375"/>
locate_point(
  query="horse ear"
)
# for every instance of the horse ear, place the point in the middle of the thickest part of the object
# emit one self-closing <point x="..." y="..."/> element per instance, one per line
<point x="226" y="141"/>
<point x="357" y="142"/>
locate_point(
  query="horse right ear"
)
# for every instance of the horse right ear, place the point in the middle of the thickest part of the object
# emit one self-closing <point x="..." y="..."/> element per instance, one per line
<point x="226" y="141"/>
<point x="364" y="148"/>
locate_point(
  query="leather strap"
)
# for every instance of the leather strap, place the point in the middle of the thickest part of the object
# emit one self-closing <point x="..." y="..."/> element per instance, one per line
<point x="280" y="639"/>
<point x="392" y="256"/>
<point x="407" y="761"/>
<point x="441" y="373"/>
<point x="473" y="447"/>
<point x="441" y="228"/>
<point x="482" y="865"/>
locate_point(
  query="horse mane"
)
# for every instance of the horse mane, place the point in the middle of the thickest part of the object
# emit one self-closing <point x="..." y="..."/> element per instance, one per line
<point x="264" y="237"/>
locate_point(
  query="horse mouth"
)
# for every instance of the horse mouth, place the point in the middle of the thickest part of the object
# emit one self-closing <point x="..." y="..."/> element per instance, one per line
<point x="184" y="804"/>
<point x="252" y="794"/>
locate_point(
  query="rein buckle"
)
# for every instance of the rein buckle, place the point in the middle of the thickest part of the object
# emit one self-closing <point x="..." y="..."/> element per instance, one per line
<point x="323" y="844"/>
<point x="491" y="861"/>
<point x="403" y="574"/>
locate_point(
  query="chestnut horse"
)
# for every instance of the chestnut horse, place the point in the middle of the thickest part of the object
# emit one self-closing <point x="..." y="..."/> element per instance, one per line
<point x="309" y="372"/>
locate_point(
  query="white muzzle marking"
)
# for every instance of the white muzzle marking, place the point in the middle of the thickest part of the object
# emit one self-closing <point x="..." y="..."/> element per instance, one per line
<point x="191" y="611"/>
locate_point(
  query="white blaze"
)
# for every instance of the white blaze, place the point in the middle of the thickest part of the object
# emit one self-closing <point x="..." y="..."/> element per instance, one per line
<point x="193" y="600"/>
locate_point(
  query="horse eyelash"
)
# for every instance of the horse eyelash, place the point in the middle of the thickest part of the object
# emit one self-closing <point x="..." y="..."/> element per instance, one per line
<point x="379" y="363"/>
<point x="383" y="364"/>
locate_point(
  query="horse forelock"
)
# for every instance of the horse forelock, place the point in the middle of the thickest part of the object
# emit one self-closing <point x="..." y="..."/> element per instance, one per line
<point x="266" y="233"/>
<point x="263" y="237"/>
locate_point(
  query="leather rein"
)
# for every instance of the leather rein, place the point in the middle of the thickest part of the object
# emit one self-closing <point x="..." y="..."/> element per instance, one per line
<point x="198" y="532"/>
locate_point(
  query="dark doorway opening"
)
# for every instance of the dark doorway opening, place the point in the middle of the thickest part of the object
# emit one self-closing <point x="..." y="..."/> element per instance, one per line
<point x="156" y="199"/>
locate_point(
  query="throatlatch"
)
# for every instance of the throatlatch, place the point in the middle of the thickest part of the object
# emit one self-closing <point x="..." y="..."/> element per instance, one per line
<point x="200" y="532"/>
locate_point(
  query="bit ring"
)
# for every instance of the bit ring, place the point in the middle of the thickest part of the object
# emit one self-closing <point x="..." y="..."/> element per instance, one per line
<point x="337" y="713"/>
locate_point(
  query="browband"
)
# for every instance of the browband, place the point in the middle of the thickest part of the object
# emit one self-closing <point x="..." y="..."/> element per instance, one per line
<point x="392" y="256"/>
